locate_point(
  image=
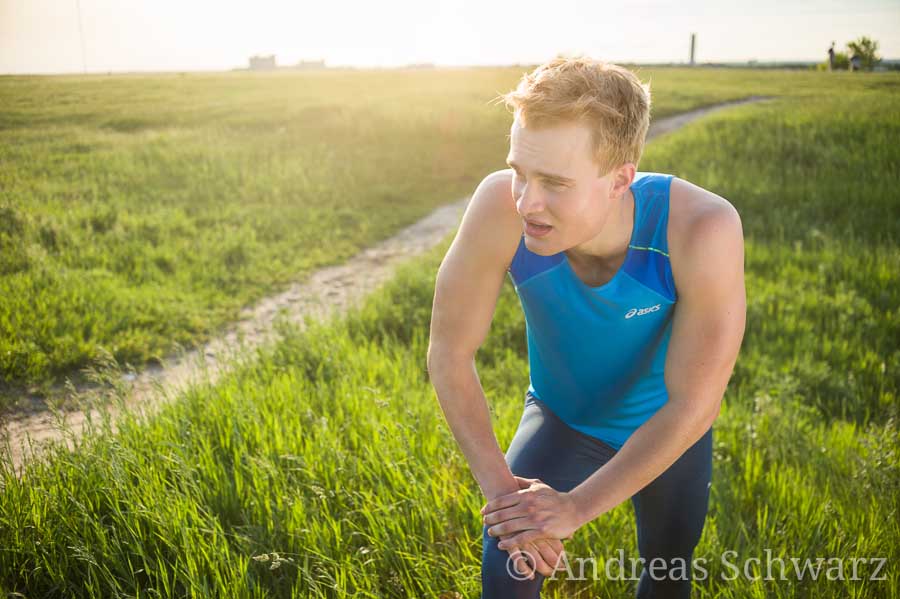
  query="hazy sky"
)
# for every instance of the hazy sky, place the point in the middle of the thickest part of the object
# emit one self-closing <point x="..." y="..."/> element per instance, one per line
<point x="42" y="36"/>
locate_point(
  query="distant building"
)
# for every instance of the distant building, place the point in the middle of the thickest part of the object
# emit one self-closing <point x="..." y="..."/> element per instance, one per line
<point x="262" y="63"/>
<point x="310" y="64"/>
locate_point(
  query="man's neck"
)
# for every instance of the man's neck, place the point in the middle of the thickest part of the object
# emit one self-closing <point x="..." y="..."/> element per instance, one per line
<point x="612" y="241"/>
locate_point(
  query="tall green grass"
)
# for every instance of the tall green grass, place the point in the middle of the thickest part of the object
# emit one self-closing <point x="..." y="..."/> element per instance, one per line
<point x="323" y="467"/>
<point x="137" y="213"/>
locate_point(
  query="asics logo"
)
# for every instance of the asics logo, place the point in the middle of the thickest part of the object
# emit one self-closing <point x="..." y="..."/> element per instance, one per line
<point x="641" y="311"/>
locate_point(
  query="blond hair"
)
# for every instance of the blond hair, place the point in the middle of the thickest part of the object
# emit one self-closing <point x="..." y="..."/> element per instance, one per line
<point x="609" y="99"/>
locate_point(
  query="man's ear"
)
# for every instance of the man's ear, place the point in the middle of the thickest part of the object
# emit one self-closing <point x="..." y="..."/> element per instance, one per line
<point x="622" y="178"/>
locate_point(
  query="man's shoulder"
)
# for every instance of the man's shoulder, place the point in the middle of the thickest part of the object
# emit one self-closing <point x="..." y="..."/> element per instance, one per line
<point x="498" y="186"/>
<point x="695" y="212"/>
<point x="490" y="229"/>
<point x="702" y="225"/>
<point x="493" y="203"/>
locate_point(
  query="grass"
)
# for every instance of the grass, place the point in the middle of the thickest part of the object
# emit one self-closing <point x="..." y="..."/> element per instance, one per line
<point x="139" y="214"/>
<point x="322" y="467"/>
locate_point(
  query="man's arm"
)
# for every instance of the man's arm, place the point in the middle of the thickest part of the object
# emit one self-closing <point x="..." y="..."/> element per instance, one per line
<point x="466" y="291"/>
<point x="707" y="330"/>
<point x="465" y="296"/>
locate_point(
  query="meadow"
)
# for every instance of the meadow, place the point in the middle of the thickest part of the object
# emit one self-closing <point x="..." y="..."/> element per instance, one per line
<point x="322" y="467"/>
<point x="138" y="214"/>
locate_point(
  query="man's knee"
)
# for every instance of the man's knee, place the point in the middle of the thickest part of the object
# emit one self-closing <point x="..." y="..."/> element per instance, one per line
<point x="499" y="577"/>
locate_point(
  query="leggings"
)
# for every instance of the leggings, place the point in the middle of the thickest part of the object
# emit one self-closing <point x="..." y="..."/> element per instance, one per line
<point x="669" y="511"/>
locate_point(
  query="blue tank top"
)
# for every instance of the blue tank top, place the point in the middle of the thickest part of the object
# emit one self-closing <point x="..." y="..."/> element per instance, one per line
<point x="596" y="354"/>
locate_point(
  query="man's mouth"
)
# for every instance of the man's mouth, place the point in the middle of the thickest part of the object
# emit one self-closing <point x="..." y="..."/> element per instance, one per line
<point x="536" y="229"/>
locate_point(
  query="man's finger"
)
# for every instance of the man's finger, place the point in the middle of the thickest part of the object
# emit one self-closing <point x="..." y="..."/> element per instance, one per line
<point x="522" y="562"/>
<point x="503" y="515"/>
<point x="556" y="544"/>
<point x="540" y="564"/>
<point x="528" y="560"/>
<point x="508" y="500"/>
<point x="526" y="482"/>
<point x="552" y="553"/>
<point x="521" y="539"/>
<point x="508" y="527"/>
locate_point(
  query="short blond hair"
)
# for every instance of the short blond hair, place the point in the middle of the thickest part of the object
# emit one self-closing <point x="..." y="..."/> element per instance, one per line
<point x="609" y="99"/>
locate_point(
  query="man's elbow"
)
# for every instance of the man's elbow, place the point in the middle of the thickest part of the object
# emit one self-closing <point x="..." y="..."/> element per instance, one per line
<point x="713" y="414"/>
<point x="443" y="359"/>
<point x="434" y="359"/>
<point x="431" y="359"/>
<point x="707" y="409"/>
<point x="698" y="413"/>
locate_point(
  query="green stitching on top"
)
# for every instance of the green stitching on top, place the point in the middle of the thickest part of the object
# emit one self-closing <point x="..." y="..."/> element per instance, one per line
<point x="637" y="247"/>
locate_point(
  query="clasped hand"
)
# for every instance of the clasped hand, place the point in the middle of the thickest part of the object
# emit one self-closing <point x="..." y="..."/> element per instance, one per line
<point x="531" y="524"/>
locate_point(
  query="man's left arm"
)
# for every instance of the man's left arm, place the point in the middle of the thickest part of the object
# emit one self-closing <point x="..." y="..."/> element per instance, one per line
<point x="707" y="330"/>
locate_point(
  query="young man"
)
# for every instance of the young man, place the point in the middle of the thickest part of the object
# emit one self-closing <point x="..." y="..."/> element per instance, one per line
<point x="632" y="286"/>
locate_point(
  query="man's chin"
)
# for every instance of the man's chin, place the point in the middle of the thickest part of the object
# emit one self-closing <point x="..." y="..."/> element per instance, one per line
<point x="540" y="246"/>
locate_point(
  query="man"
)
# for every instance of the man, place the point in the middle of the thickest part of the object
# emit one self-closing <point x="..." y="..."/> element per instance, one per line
<point x="632" y="286"/>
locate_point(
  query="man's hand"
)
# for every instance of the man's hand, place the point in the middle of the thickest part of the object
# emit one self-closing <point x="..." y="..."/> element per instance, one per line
<point x="532" y="520"/>
<point x="542" y="556"/>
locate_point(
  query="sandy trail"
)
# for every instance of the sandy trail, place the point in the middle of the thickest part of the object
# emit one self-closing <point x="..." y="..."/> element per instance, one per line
<point x="327" y="291"/>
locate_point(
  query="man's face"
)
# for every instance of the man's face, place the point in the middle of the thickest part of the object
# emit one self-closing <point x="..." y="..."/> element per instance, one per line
<point x="556" y="184"/>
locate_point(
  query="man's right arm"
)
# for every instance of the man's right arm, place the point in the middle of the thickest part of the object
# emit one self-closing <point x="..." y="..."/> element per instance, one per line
<point x="468" y="284"/>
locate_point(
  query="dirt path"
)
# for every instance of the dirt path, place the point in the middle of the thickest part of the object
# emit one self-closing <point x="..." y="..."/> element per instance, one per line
<point x="332" y="289"/>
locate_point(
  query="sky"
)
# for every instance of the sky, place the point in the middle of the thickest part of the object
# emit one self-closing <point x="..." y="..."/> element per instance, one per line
<point x="44" y="36"/>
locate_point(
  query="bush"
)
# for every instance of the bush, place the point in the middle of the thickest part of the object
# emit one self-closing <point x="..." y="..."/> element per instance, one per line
<point x="841" y="62"/>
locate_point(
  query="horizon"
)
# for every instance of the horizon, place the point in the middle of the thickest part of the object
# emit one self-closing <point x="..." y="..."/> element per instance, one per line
<point x="416" y="66"/>
<point x="60" y="37"/>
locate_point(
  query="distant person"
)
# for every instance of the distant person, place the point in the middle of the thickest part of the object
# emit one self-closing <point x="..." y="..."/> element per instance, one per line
<point x="855" y="62"/>
<point x="632" y="285"/>
<point x="831" y="57"/>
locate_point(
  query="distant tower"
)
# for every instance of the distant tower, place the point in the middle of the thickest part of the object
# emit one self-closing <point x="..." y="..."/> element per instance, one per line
<point x="693" y="45"/>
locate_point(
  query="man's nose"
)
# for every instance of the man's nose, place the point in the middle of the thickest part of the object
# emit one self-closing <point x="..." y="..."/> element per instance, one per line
<point x="530" y="200"/>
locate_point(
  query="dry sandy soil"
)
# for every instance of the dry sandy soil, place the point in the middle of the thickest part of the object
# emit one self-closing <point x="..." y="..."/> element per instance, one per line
<point x="326" y="291"/>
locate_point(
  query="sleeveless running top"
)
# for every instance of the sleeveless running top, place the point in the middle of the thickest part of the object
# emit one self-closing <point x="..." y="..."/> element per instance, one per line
<point x="596" y="354"/>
